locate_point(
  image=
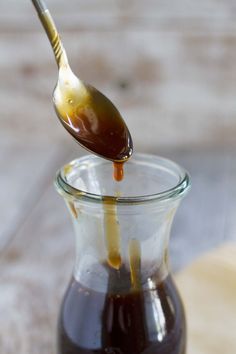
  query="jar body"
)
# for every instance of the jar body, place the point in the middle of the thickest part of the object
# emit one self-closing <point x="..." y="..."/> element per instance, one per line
<point x="143" y="322"/>
<point x="122" y="298"/>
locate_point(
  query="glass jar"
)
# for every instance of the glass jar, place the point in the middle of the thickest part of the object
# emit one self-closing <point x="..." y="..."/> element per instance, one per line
<point x="122" y="298"/>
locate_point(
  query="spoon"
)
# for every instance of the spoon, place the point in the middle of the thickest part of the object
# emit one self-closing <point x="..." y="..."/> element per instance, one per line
<point x="88" y="115"/>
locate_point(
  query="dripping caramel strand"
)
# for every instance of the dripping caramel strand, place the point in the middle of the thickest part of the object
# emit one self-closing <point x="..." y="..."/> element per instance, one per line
<point x="118" y="171"/>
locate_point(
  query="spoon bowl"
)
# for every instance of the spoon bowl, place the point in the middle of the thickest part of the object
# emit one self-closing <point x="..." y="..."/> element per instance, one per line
<point x="91" y="118"/>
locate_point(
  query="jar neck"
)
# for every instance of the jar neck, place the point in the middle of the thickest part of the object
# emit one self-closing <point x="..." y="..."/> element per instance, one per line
<point x="122" y="229"/>
<point x="118" y="251"/>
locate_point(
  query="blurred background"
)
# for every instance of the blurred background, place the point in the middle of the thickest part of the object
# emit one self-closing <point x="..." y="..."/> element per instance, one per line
<point x="169" y="67"/>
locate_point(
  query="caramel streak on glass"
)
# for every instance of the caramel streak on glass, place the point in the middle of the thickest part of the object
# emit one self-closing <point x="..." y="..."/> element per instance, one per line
<point x="135" y="263"/>
<point x="112" y="234"/>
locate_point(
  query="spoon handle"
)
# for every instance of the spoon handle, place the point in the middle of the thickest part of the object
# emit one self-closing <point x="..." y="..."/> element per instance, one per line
<point x="40" y="6"/>
<point x="52" y="33"/>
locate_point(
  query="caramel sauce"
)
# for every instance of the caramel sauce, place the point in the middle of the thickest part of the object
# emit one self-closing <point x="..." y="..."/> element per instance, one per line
<point x="122" y="322"/>
<point x="135" y="263"/>
<point x="112" y="234"/>
<point x="97" y="126"/>
<point x="73" y="209"/>
<point x="118" y="171"/>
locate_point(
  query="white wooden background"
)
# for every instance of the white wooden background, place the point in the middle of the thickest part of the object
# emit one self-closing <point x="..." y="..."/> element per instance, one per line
<point x="170" y="67"/>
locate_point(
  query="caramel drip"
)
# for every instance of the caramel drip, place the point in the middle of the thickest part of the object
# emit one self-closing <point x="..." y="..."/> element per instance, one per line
<point x="135" y="263"/>
<point x="112" y="234"/>
<point x="118" y="171"/>
<point x="73" y="209"/>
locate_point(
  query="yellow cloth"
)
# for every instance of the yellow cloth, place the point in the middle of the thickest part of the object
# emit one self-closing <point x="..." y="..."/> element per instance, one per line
<point x="208" y="289"/>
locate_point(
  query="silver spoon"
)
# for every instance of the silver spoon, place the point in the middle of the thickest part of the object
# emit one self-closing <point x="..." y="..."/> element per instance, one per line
<point x="88" y="115"/>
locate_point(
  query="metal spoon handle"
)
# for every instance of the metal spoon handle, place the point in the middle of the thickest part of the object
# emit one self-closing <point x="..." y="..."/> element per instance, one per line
<point x="40" y="6"/>
<point x="52" y="33"/>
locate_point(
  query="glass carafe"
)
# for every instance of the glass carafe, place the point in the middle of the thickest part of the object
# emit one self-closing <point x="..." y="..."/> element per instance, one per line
<point x="121" y="298"/>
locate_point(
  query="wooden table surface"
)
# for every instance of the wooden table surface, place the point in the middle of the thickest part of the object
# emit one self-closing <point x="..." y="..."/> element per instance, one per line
<point x="170" y="68"/>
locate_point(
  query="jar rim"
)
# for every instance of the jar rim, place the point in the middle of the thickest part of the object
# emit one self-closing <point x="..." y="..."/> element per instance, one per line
<point x="178" y="190"/>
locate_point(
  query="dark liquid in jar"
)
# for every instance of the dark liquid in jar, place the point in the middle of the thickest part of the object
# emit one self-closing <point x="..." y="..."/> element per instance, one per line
<point x="124" y="322"/>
